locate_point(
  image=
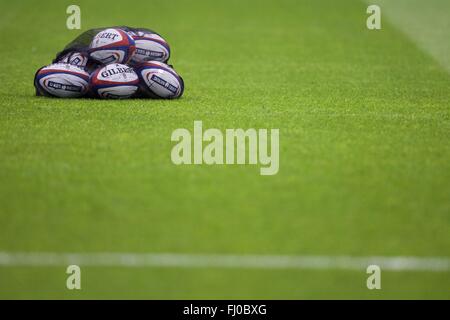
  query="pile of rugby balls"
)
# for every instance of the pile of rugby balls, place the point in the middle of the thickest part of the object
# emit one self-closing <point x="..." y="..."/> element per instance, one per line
<point x="118" y="64"/>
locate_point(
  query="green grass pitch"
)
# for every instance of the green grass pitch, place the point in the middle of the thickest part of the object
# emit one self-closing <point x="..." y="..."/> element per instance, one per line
<point x="364" y="153"/>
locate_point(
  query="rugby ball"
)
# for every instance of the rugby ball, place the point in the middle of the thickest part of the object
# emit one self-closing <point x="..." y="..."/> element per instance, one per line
<point x="61" y="80"/>
<point x="158" y="80"/>
<point x="150" y="47"/>
<point x="112" y="46"/>
<point x="76" y="58"/>
<point x="114" y="81"/>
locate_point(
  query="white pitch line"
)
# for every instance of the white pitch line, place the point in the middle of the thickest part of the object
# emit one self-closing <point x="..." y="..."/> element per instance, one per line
<point x="174" y="260"/>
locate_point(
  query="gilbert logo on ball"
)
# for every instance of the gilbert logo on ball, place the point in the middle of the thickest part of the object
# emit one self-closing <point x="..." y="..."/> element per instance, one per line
<point x="62" y="80"/>
<point x="114" y="81"/>
<point x="159" y="81"/>
<point x="150" y="47"/>
<point x="112" y="46"/>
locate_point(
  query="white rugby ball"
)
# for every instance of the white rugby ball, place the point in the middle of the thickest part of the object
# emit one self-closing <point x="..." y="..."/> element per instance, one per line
<point x="76" y="58"/>
<point x="112" y="46"/>
<point x="158" y="80"/>
<point x="114" y="81"/>
<point x="62" y="80"/>
<point x="150" y="47"/>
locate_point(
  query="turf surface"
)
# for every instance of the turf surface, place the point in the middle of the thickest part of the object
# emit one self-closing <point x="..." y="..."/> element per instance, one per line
<point x="364" y="170"/>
